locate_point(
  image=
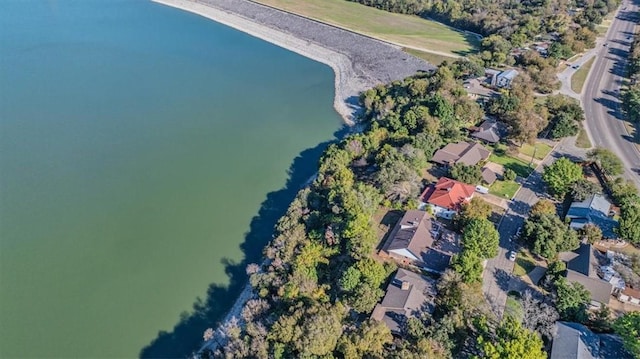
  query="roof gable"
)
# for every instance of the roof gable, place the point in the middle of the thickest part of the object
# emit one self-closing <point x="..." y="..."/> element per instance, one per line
<point x="461" y="152"/>
<point x="448" y="193"/>
<point x="413" y="232"/>
<point x="574" y="340"/>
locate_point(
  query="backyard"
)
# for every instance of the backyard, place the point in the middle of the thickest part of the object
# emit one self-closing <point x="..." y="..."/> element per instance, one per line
<point x="520" y="167"/>
<point x="405" y="30"/>
<point x="538" y="151"/>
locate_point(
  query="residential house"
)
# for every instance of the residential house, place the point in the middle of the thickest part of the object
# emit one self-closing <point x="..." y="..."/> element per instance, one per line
<point x="505" y="78"/>
<point x="446" y="196"/>
<point x="489" y="131"/>
<point x="582" y="267"/>
<point x="629" y="294"/>
<point x="407" y="295"/>
<point x="575" y="341"/>
<point x="492" y="76"/>
<point x="488" y="176"/>
<point x="466" y="153"/>
<point x="593" y="210"/>
<point x="416" y="239"/>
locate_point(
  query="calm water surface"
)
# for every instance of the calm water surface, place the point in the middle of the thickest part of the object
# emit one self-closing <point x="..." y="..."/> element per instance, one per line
<point x="137" y="142"/>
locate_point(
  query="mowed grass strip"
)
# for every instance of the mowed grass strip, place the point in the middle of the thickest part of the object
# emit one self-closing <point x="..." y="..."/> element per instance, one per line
<point x="404" y="30"/>
<point x="504" y="189"/>
<point x="434" y="59"/>
<point x="540" y="149"/>
<point x="582" y="141"/>
<point x="580" y="76"/>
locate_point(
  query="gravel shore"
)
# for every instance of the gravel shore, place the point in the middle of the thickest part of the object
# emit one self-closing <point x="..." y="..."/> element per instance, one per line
<point x="359" y="62"/>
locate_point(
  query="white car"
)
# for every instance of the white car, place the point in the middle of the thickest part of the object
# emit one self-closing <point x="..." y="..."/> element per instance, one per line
<point x="512" y="256"/>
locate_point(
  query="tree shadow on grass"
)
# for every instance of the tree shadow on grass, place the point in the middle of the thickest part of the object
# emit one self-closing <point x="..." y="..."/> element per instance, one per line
<point x="186" y="336"/>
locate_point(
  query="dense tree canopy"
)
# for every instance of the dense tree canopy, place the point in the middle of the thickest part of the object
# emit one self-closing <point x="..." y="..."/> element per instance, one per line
<point x="607" y="160"/>
<point x="628" y="327"/>
<point x="560" y="175"/>
<point x="512" y="341"/>
<point x="547" y="235"/>
<point x="629" y="220"/>
<point x="571" y="301"/>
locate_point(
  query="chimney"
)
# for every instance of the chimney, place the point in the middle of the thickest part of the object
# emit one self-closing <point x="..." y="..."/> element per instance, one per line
<point x="405" y="285"/>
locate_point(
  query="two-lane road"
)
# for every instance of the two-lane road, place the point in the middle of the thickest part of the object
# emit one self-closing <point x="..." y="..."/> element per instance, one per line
<point x="604" y="118"/>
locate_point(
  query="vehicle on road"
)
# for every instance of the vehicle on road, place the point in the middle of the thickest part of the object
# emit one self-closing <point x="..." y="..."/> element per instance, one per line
<point x="512" y="256"/>
<point x="575" y="66"/>
<point x="605" y="44"/>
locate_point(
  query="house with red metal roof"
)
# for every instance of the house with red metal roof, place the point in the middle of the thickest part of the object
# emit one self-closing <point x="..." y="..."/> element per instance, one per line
<point x="446" y="197"/>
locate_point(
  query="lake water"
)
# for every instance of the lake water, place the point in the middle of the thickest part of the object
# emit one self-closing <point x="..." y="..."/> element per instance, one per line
<point x="144" y="152"/>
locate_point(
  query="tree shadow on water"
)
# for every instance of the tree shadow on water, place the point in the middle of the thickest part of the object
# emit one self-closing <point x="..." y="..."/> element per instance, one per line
<point x="186" y="336"/>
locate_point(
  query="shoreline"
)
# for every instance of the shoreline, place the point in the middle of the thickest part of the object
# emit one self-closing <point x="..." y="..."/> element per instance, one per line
<point x="347" y="83"/>
<point x="358" y="62"/>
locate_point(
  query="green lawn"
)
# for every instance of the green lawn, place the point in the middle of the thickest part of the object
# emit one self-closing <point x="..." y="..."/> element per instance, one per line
<point x="541" y="150"/>
<point x="432" y="58"/>
<point x="520" y="167"/>
<point x="524" y="264"/>
<point x="505" y="189"/>
<point x="580" y="76"/>
<point x="514" y="308"/>
<point x="404" y="30"/>
<point x="582" y="141"/>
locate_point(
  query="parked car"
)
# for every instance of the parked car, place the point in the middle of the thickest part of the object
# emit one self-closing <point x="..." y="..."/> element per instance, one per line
<point x="512" y="256"/>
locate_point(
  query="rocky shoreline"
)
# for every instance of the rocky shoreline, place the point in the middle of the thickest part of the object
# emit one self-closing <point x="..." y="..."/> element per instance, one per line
<point x="359" y="62"/>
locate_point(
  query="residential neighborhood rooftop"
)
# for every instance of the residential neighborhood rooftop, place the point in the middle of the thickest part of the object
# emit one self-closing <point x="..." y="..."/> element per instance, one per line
<point x="448" y="193"/>
<point x="462" y="152"/>
<point x="408" y="294"/>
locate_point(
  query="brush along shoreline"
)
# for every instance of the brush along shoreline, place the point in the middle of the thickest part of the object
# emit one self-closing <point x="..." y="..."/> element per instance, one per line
<point x="358" y="62"/>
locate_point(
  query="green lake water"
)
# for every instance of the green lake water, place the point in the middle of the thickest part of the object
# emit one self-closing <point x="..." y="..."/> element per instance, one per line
<point x="144" y="153"/>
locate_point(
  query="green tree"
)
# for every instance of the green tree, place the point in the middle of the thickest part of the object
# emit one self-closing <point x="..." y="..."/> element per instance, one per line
<point x="582" y="189"/>
<point x="469" y="265"/>
<point x="481" y="237"/>
<point x="366" y="341"/>
<point x="591" y="232"/>
<point x="548" y="235"/>
<point x="571" y="301"/>
<point x="628" y="224"/>
<point x="511" y="340"/>
<point x="350" y="278"/>
<point x="477" y="208"/>
<point x="321" y="331"/>
<point x="543" y="206"/>
<point x="509" y="174"/>
<point x="628" y="328"/>
<point x="466" y="174"/>
<point x="560" y="175"/>
<point x="607" y="160"/>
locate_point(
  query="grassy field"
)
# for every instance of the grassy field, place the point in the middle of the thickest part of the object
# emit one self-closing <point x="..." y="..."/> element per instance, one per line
<point x="582" y="141"/>
<point x="505" y="189"/>
<point x="514" y="308"/>
<point x="580" y="76"/>
<point x="524" y="264"/>
<point x="520" y="167"/>
<point x="404" y="30"/>
<point x="541" y="150"/>
<point x="432" y="58"/>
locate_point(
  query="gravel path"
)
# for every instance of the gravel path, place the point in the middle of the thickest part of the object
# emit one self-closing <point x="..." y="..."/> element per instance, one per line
<point x="359" y="62"/>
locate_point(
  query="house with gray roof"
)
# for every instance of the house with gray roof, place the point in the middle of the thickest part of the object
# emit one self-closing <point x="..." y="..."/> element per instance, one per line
<point x="505" y="78"/>
<point x="593" y="210"/>
<point x="462" y="152"/>
<point x="575" y="341"/>
<point x="407" y="295"/>
<point x="490" y="131"/>
<point x="582" y="267"/>
<point x="414" y="240"/>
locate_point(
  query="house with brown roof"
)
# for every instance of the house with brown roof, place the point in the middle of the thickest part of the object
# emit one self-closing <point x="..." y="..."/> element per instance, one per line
<point x="416" y="240"/>
<point x="408" y="295"/>
<point x="446" y="197"/>
<point x="629" y="294"/>
<point x="582" y="267"/>
<point x="490" y="131"/>
<point x="462" y="152"/>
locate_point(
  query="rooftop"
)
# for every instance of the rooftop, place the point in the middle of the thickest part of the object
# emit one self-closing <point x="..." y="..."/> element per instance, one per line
<point x="408" y="294"/>
<point x="576" y="341"/>
<point x="448" y="193"/>
<point x="462" y="152"/>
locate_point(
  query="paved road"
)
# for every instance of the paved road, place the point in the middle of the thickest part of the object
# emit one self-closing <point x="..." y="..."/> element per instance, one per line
<point x="604" y="121"/>
<point x="497" y="273"/>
